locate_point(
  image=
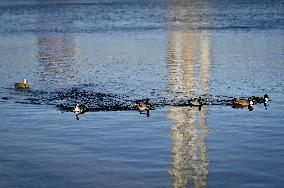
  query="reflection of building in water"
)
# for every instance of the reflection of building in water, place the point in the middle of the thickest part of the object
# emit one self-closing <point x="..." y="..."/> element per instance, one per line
<point x="189" y="66"/>
<point x="190" y="161"/>
<point x="57" y="53"/>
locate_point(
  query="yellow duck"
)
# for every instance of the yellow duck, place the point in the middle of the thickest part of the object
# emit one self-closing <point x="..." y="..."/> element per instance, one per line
<point x="23" y="85"/>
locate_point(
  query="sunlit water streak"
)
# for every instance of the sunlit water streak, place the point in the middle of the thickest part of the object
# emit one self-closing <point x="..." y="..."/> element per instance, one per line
<point x="189" y="74"/>
<point x="189" y="152"/>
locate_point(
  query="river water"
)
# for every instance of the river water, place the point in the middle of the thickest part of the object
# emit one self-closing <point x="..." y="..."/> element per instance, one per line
<point x="107" y="55"/>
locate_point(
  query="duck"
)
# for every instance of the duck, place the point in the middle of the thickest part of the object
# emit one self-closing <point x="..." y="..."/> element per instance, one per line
<point x="23" y="85"/>
<point x="78" y="109"/>
<point x="144" y="106"/>
<point x="263" y="99"/>
<point x="196" y="102"/>
<point x="242" y="102"/>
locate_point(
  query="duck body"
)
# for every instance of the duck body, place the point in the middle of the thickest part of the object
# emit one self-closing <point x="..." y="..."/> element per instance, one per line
<point x="196" y="102"/>
<point x="242" y="102"/>
<point x="78" y="109"/>
<point x="23" y="85"/>
<point x="143" y="106"/>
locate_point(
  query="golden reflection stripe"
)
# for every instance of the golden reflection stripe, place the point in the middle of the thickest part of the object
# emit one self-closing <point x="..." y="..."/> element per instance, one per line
<point x="188" y="72"/>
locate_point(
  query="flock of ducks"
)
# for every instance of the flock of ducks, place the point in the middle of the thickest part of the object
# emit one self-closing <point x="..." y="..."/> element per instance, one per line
<point x="144" y="107"/>
<point x="241" y="103"/>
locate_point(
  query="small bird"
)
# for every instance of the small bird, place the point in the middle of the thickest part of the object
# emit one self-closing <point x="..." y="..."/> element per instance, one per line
<point x="144" y="106"/>
<point x="263" y="99"/>
<point x="23" y="85"/>
<point x="242" y="102"/>
<point x="78" y="109"/>
<point x="196" y="102"/>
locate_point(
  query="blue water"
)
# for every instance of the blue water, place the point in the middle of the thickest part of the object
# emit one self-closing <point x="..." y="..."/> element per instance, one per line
<point x="107" y="55"/>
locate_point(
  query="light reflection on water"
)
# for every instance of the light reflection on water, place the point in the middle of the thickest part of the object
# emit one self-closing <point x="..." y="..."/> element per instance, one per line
<point x="189" y="63"/>
<point x="189" y="151"/>
<point x="189" y="74"/>
<point x="57" y="59"/>
<point x="57" y="54"/>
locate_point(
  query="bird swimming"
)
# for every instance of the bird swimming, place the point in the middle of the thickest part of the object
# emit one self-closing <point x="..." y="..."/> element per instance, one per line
<point x="78" y="109"/>
<point x="263" y="99"/>
<point x="144" y="106"/>
<point x="242" y="102"/>
<point x="196" y="102"/>
<point x="23" y="85"/>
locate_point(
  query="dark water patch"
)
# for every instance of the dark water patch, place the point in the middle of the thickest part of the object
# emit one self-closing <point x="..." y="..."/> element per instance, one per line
<point x="112" y="107"/>
<point x="66" y="99"/>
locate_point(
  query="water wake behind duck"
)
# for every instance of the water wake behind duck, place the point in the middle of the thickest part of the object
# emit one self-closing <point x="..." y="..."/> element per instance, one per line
<point x="66" y="99"/>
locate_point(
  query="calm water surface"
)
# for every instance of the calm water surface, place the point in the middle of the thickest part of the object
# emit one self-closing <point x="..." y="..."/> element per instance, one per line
<point x="109" y="54"/>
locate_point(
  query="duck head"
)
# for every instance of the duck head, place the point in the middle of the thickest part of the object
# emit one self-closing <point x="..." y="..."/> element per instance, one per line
<point x="250" y="101"/>
<point x="265" y="97"/>
<point x="25" y="81"/>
